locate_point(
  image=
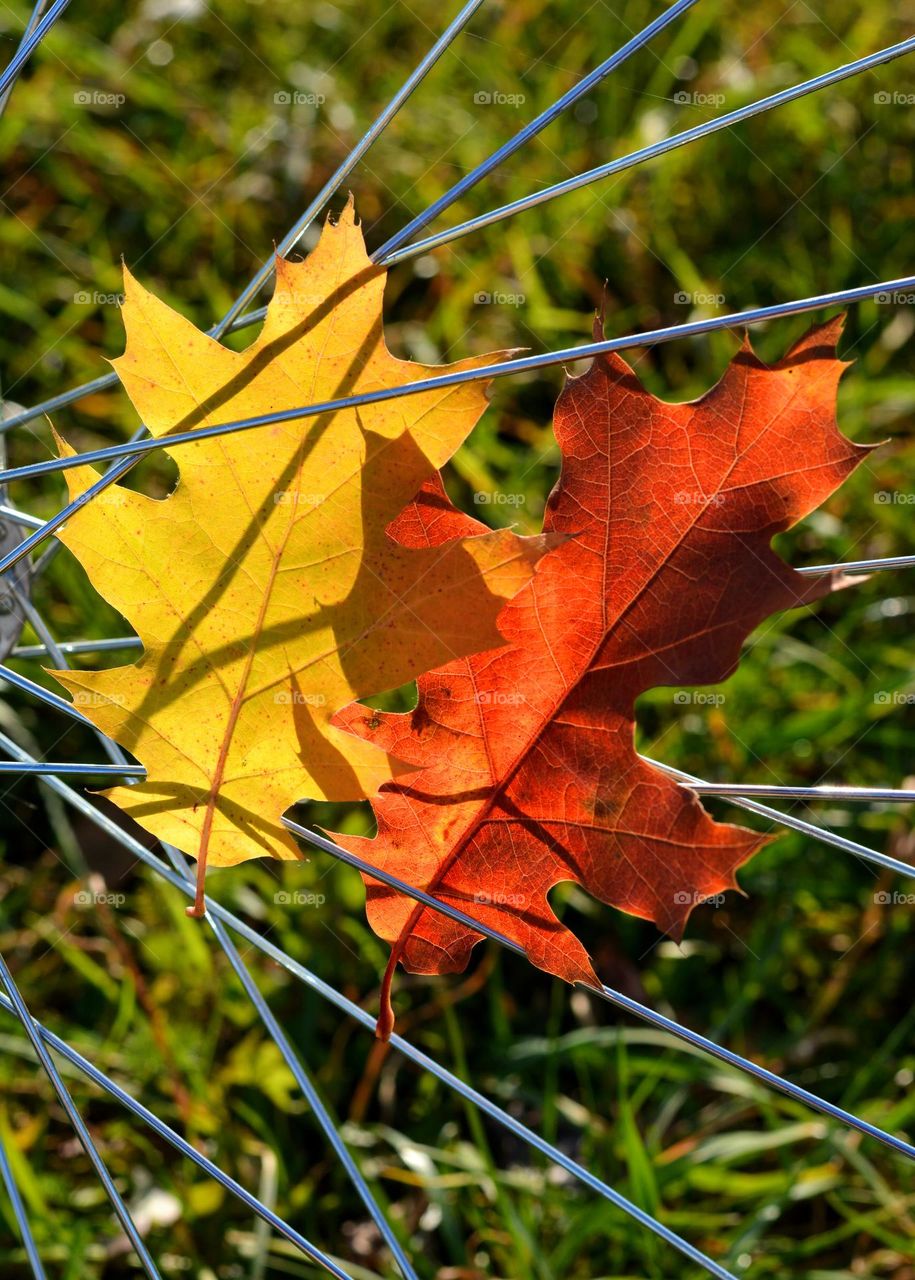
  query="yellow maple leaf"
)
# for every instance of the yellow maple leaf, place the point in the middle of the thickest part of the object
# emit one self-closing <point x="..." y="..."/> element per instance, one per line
<point x="265" y="588"/>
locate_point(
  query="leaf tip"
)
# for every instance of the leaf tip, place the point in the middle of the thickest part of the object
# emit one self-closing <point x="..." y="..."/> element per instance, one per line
<point x="131" y="284"/>
<point x="346" y="218"/>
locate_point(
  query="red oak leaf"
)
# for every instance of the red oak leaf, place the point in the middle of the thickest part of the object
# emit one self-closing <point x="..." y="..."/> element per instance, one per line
<point x="529" y="774"/>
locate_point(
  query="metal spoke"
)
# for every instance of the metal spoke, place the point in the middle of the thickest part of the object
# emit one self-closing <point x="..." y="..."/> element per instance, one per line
<point x="592" y="175"/>
<point x="106" y="380"/>
<point x="656" y="149"/>
<point x="43" y="631"/>
<point x="19" y="1213"/>
<point x="79" y="646"/>
<point x="365" y="1019"/>
<point x="174" y="1139"/>
<point x="76" y="1120"/>
<point x="862" y="566"/>
<point x="43" y="768"/>
<point x="117" y="643"/>
<point x="232" y="321"/>
<point x="122" y="458"/>
<point x="442" y="382"/>
<point x="748" y="790"/>
<point x="799" y="1094"/>
<point x="29" y="43"/>
<point x="302" y="1079"/>
<point x="120" y="767"/>
<point x="67" y="769"/>
<point x="34" y="19"/>
<point x="794" y="1091"/>
<point x="823" y="792"/>
<point x="20" y="517"/>
<point x="300" y="1074"/>
<point x="54" y="700"/>
<point x="338" y="178"/>
<point x="531" y="130"/>
<point x="798" y="824"/>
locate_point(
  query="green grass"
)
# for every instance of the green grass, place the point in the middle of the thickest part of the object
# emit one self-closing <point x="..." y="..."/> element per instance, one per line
<point x="191" y="178"/>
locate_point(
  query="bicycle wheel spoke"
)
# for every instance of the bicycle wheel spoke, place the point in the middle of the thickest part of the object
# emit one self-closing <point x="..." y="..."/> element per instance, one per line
<point x="76" y="1120"/>
<point x="50" y="699"/>
<point x="862" y="566"/>
<point x="114" y="645"/>
<point x="120" y="766"/>
<point x="43" y="768"/>
<point x="30" y="41"/>
<point x="64" y="769"/>
<point x="118" y="643"/>
<point x="656" y="149"/>
<point x="232" y="321"/>
<point x="106" y="381"/>
<point x="824" y="792"/>
<point x="19" y="1213"/>
<point x="358" y="151"/>
<point x="799" y="1094"/>
<point x="43" y="631"/>
<point x="20" y="517"/>
<point x="531" y="130"/>
<point x="121" y="458"/>
<point x="174" y="1139"/>
<point x="124" y="453"/>
<point x="860" y="851"/>
<point x="365" y="1019"/>
<point x="34" y="19"/>
<point x="722" y="789"/>
<point x="794" y="1091"/>
<point x="302" y="1078"/>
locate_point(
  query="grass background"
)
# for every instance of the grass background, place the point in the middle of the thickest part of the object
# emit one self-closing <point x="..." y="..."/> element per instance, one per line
<point x="190" y="174"/>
